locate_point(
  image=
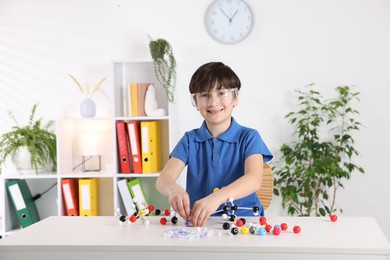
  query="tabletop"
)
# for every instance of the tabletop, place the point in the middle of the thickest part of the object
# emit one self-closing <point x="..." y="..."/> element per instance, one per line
<point x="348" y="235"/>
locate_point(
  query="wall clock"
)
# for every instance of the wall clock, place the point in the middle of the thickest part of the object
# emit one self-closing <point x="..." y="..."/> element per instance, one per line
<point x="229" y="21"/>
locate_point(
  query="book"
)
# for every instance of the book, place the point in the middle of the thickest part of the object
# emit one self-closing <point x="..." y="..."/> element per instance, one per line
<point x="126" y="101"/>
<point x="134" y="99"/>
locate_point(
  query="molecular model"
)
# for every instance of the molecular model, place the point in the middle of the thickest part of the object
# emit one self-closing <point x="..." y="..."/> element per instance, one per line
<point x="229" y="211"/>
<point x="147" y="210"/>
<point x="261" y="228"/>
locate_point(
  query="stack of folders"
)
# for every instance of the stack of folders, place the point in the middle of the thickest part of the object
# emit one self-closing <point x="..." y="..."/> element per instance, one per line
<point x="132" y="193"/>
<point x="23" y="202"/>
<point x="139" y="146"/>
<point x="80" y="196"/>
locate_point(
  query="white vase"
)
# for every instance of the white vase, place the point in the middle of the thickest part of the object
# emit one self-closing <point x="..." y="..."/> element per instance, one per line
<point x="21" y="158"/>
<point x="87" y="108"/>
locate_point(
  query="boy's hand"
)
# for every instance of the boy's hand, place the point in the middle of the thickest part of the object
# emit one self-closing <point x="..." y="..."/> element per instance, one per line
<point x="180" y="201"/>
<point x="202" y="210"/>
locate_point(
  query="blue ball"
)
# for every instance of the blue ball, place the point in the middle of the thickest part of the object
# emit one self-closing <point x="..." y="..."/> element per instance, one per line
<point x="261" y="231"/>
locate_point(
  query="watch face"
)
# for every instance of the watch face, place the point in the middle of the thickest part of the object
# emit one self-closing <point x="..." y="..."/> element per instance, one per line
<point x="229" y="21"/>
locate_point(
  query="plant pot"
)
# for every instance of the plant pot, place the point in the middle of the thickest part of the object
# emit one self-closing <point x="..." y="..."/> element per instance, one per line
<point x="21" y="159"/>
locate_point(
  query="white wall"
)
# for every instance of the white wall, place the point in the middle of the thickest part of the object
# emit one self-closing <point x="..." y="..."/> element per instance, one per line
<point x="293" y="43"/>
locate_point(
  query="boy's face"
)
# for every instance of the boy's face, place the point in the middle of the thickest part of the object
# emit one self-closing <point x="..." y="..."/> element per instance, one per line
<point x="216" y="106"/>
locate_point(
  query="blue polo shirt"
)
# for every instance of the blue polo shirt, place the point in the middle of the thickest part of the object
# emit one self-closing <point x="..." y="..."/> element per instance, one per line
<point x="217" y="162"/>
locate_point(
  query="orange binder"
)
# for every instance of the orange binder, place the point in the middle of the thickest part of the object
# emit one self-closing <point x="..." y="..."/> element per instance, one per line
<point x="134" y="99"/>
<point x="70" y="194"/>
<point x="151" y="146"/>
<point x="142" y="88"/>
<point x="123" y="147"/>
<point x="135" y="146"/>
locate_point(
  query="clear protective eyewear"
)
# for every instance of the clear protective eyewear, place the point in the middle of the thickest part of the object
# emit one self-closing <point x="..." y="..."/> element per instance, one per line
<point x="224" y="96"/>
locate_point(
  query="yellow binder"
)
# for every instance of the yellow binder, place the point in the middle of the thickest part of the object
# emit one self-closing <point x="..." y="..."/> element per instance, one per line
<point x="151" y="146"/>
<point x="88" y="197"/>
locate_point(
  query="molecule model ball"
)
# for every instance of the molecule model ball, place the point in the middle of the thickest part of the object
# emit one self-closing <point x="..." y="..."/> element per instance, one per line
<point x="297" y="229"/>
<point x="163" y="221"/>
<point x="234" y="231"/>
<point x="263" y="221"/>
<point x="239" y="223"/>
<point x="261" y="231"/>
<point x="133" y="218"/>
<point x="245" y="230"/>
<point x="283" y="226"/>
<point x="333" y="218"/>
<point x="276" y="231"/>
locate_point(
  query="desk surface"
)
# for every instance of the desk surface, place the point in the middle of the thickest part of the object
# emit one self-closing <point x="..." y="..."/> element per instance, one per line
<point x="348" y="236"/>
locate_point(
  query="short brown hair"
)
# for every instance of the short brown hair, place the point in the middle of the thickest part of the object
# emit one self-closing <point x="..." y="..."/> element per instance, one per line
<point x="212" y="73"/>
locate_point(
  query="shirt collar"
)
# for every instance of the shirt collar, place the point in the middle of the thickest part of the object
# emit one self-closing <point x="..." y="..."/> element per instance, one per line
<point x="231" y="135"/>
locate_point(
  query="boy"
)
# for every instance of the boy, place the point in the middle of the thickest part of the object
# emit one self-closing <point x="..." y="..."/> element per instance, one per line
<point x="220" y="154"/>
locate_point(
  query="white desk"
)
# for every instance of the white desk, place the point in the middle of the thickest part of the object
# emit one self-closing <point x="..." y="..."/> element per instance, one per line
<point x="86" y="238"/>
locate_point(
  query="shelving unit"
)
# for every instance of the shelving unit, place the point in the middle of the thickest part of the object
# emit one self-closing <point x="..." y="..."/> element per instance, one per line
<point x="126" y="72"/>
<point x="102" y="131"/>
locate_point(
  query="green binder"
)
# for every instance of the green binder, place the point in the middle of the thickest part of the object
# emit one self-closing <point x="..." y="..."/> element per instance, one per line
<point x="138" y="194"/>
<point x="23" y="202"/>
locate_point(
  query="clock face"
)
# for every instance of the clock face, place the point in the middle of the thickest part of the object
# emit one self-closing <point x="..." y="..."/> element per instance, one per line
<point x="229" y="21"/>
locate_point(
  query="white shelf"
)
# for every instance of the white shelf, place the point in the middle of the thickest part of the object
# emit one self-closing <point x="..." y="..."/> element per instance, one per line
<point x="70" y="130"/>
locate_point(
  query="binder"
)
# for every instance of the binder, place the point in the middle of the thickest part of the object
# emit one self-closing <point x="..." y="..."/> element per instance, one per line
<point x="134" y="99"/>
<point x="88" y="197"/>
<point x="123" y="147"/>
<point x="135" y="146"/>
<point x="151" y="146"/>
<point x="70" y="194"/>
<point x="138" y="194"/>
<point x="126" y="197"/>
<point x="22" y="202"/>
<point x="142" y="88"/>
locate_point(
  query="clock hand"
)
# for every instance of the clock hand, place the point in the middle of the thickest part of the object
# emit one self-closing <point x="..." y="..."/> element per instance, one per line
<point x="225" y="14"/>
<point x="231" y="19"/>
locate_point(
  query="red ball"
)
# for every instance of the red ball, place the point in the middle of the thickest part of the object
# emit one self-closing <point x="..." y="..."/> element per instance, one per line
<point x="163" y="221"/>
<point x="239" y="223"/>
<point x="150" y="208"/>
<point x="167" y="212"/>
<point x="333" y="218"/>
<point x="262" y="221"/>
<point x="268" y="228"/>
<point x="297" y="229"/>
<point x="276" y="231"/>
<point x="133" y="218"/>
<point x="283" y="226"/>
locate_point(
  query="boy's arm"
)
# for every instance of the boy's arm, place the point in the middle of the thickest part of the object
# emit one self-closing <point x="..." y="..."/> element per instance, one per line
<point x="249" y="183"/>
<point x="166" y="184"/>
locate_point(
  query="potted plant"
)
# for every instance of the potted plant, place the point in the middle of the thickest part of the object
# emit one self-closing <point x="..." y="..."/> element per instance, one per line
<point x="319" y="159"/>
<point x="37" y="138"/>
<point x="164" y="65"/>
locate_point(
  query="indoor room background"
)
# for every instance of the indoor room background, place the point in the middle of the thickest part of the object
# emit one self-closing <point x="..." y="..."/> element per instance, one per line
<point x="293" y="43"/>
